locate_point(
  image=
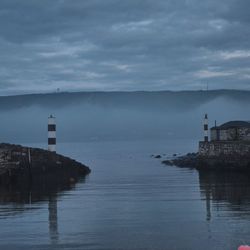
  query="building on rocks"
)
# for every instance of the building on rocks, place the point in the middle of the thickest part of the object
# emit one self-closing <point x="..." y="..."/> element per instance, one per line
<point x="229" y="139"/>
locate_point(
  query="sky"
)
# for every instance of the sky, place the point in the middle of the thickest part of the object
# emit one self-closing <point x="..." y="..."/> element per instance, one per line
<point x="123" y="45"/>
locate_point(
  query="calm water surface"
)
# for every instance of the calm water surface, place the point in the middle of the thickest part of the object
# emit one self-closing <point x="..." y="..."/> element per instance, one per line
<point x="129" y="201"/>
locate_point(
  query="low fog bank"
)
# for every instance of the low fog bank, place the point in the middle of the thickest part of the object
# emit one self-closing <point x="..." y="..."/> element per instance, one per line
<point x="139" y="100"/>
<point x="118" y="116"/>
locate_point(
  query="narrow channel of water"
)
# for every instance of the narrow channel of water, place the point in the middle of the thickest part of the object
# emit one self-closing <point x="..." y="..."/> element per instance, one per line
<point x="129" y="201"/>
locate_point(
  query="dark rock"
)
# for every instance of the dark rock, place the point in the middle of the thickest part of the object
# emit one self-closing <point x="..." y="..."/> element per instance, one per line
<point x="168" y="162"/>
<point x="16" y="168"/>
<point x="158" y="156"/>
<point x="223" y="162"/>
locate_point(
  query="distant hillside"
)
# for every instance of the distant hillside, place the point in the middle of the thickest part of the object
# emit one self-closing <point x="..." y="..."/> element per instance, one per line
<point x="161" y="100"/>
<point x="119" y="115"/>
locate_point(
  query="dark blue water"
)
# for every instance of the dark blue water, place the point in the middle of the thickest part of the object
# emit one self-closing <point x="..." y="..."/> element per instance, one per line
<point x="130" y="201"/>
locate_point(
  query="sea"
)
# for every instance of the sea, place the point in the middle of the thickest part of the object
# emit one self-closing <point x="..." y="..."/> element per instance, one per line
<point x="130" y="200"/>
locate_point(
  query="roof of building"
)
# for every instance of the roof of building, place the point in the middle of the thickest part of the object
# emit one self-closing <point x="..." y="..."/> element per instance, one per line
<point x="233" y="124"/>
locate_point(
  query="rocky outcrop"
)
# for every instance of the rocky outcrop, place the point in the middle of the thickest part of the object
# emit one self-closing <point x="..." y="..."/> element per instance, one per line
<point x="222" y="162"/>
<point x="20" y="164"/>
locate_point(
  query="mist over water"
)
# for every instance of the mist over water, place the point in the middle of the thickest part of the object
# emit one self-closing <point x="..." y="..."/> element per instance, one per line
<point x="114" y="118"/>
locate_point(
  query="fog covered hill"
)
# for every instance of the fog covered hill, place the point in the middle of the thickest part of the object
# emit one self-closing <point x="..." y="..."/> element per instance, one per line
<point x="87" y="116"/>
<point x="159" y="100"/>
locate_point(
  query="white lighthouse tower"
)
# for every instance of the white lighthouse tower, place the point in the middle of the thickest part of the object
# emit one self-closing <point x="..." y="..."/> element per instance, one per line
<point x="206" y="128"/>
<point x="52" y="133"/>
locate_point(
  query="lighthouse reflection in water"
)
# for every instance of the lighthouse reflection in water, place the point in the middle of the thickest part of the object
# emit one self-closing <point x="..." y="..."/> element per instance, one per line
<point x="17" y="200"/>
<point x="129" y="201"/>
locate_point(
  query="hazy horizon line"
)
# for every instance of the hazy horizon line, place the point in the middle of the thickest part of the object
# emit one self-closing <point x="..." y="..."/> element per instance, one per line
<point x="122" y="91"/>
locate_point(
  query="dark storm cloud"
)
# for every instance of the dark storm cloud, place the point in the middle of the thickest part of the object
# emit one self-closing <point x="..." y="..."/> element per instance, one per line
<point x="123" y="45"/>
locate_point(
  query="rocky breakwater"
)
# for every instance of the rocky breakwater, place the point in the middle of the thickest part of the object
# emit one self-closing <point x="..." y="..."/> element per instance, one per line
<point x="221" y="162"/>
<point x="19" y="165"/>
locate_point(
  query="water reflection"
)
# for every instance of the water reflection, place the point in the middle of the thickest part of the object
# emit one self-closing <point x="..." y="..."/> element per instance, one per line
<point x="226" y="190"/>
<point x="23" y="197"/>
<point x="53" y="222"/>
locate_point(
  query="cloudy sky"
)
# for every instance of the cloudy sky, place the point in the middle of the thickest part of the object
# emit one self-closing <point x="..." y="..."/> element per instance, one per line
<point x="123" y="45"/>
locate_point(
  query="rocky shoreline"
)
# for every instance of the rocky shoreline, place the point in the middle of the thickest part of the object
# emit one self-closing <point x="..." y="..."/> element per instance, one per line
<point x="20" y="164"/>
<point x="223" y="162"/>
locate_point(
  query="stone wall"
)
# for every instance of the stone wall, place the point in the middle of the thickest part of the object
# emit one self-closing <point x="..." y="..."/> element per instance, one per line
<point x="244" y="134"/>
<point x="230" y="134"/>
<point x="213" y="134"/>
<point x="218" y="148"/>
